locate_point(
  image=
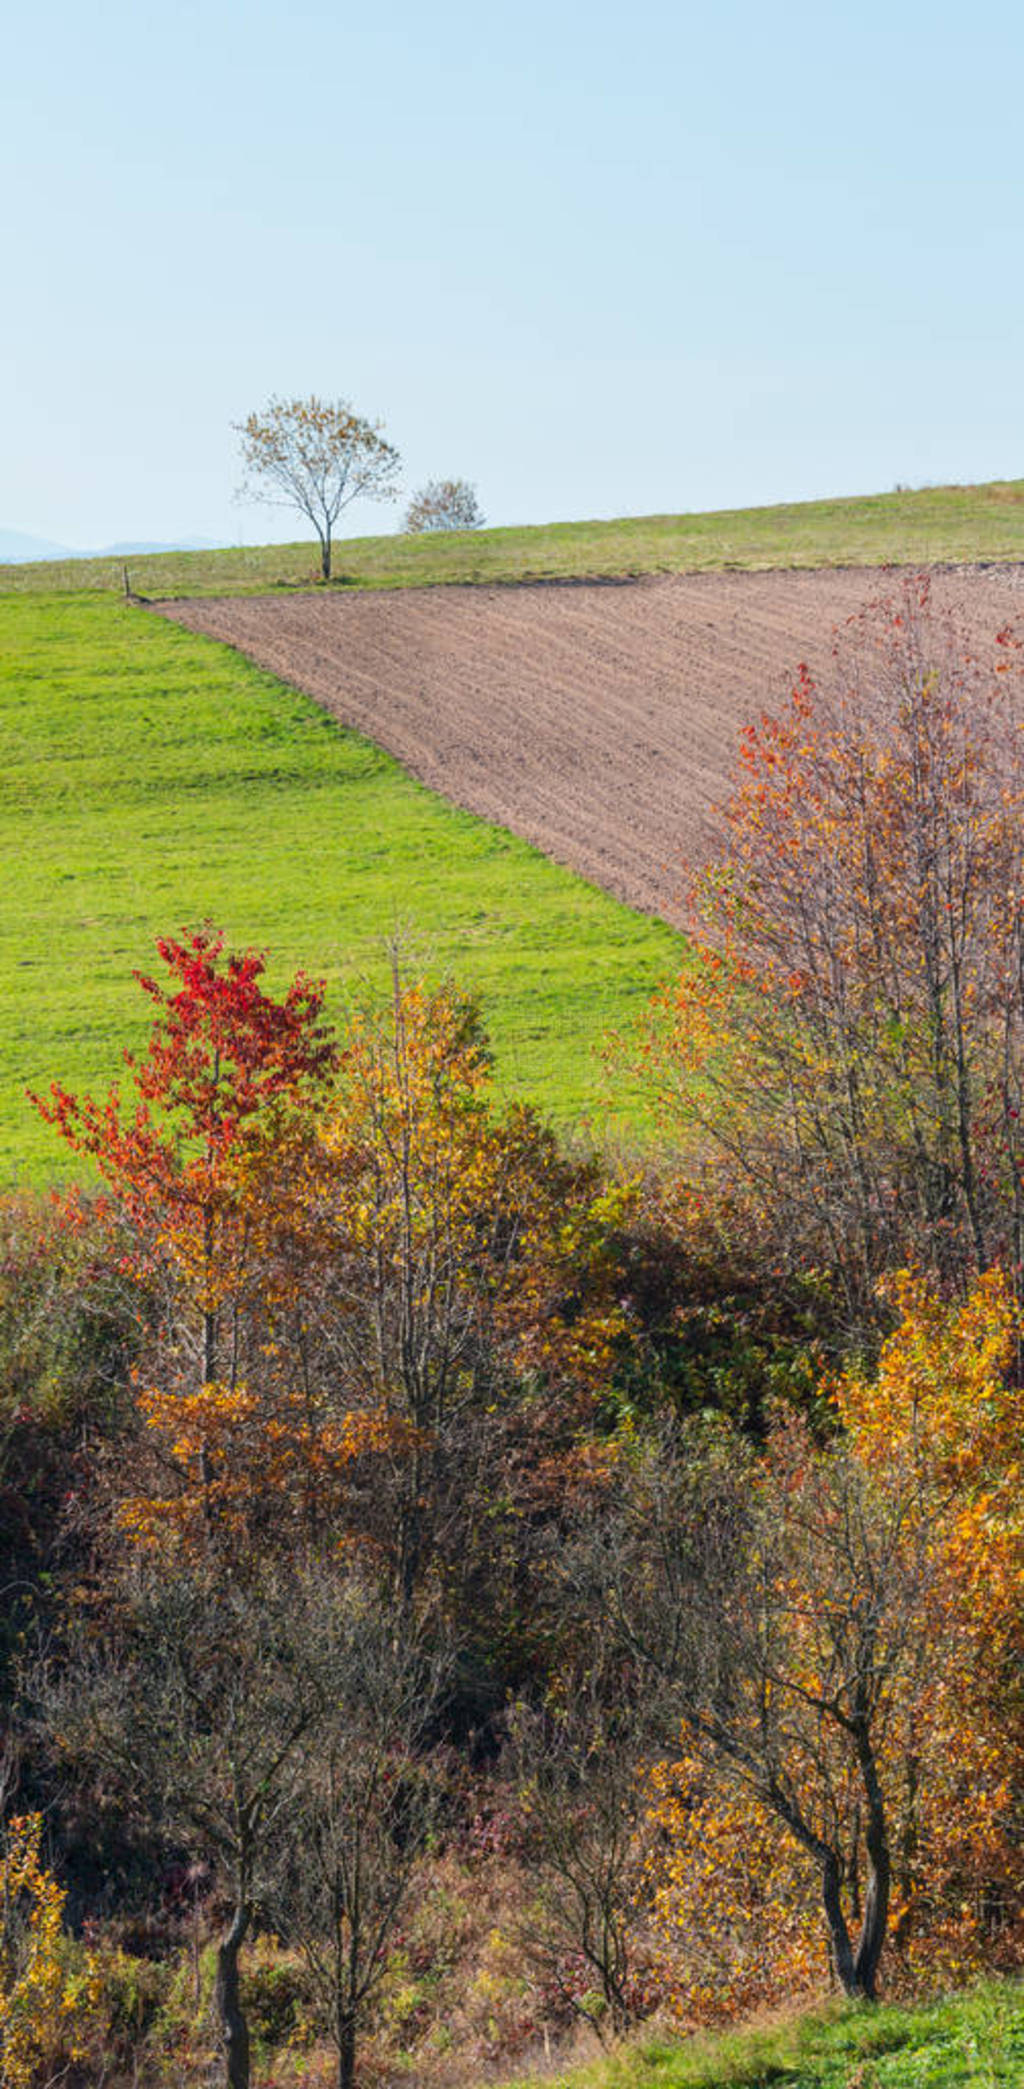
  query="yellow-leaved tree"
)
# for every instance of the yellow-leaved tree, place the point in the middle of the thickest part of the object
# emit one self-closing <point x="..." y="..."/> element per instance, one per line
<point x="469" y="1295"/>
<point x="45" y="1989"/>
<point x="850" y="1694"/>
<point x="946" y="1399"/>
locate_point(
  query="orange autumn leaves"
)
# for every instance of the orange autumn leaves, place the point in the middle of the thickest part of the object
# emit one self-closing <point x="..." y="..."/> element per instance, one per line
<point x="947" y="1402"/>
<point x="938" y="1427"/>
<point x="946" y="1397"/>
<point x="349" y="1245"/>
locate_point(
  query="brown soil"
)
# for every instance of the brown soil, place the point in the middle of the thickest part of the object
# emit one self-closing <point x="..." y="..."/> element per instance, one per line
<point x="598" y="720"/>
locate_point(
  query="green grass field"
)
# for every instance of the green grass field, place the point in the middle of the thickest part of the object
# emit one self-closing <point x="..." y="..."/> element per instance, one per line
<point x="151" y="779"/>
<point x="969" y="2041"/>
<point x="932" y="525"/>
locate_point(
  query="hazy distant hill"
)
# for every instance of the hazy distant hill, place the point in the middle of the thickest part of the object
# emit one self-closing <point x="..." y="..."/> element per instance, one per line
<point x="120" y="551"/>
<point x="17" y="549"/>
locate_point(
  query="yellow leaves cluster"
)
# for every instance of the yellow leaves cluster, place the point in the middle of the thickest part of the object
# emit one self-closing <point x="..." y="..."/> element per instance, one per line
<point x="946" y="1399"/>
<point x="942" y="1385"/>
<point x="947" y="1403"/>
<point x="43" y="1997"/>
<point x="736" y="1905"/>
<point x="938" y="1431"/>
<point x="469" y="1226"/>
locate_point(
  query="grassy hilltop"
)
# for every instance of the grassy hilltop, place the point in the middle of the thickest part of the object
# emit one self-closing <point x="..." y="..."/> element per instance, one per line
<point x="935" y="525"/>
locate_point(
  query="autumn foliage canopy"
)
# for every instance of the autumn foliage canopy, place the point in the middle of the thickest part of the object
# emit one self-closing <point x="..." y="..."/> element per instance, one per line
<point x="687" y="1502"/>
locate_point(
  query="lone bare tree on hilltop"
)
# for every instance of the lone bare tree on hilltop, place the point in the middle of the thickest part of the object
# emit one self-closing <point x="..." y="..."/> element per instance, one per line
<point x="315" y="455"/>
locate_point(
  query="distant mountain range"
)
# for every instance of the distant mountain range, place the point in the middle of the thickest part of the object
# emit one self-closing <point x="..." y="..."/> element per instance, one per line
<point x="16" y="549"/>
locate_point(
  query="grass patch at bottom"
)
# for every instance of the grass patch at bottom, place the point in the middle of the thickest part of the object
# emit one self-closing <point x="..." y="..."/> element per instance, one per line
<point x="973" y="2040"/>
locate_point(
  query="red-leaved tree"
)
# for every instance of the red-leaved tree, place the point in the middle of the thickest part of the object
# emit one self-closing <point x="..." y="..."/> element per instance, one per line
<point x="210" y="1160"/>
<point x="225" y="1087"/>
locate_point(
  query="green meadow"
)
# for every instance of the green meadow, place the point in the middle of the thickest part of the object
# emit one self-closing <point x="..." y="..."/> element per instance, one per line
<point x="151" y="779"/>
<point x="929" y="525"/>
<point x="974" y="2040"/>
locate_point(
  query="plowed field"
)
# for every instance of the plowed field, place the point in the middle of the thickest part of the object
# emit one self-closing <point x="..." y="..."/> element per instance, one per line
<point x="597" y="720"/>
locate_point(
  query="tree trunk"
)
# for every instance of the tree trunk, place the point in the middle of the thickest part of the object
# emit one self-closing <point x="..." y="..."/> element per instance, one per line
<point x="325" y="555"/>
<point x="847" y="1964"/>
<point x="346" y="2052"/>
<point x="234" y="2031"/>
<point x="876" y="1896"/>
<point x="839" y="1936"/>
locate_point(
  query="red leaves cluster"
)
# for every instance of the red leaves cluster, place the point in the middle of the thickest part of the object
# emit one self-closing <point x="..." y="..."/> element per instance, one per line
<point x="221" y="1054"/>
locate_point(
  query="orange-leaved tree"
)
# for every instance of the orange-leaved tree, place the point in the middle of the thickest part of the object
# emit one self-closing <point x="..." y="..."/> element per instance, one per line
<point x="771" y="1605"/>
<point x="210" y="1165"/>
<point x="850" y="1031"/>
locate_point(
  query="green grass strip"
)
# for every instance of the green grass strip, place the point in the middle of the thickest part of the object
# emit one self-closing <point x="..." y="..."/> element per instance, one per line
<point x="150" y="779"/>
<point x="933" y="525"/>
<point x="973" y="2040"/>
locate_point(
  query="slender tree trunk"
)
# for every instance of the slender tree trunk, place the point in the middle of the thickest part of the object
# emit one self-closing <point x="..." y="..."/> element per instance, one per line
<point x="325" y="553"/>
<point x="839" y="1936"/>
<point x="209" y="1348"/>
<point x="346" y="2051"/>
<point x="234" y="2031"/>
<point x="876" y="1894"/>
<point x="853" y="1867"/>
<point x="908" y="1847"/>
<point x="845" y="1961"/>
<point x="410" y="1544"/>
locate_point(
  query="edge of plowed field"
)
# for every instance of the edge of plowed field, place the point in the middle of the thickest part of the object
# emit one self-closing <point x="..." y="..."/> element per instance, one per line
<point x="601" y="724"/>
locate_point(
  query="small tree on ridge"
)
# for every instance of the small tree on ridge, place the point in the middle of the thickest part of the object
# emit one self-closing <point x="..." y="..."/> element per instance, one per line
<point x="315" y="455"/>
<point x="444" y="504"/>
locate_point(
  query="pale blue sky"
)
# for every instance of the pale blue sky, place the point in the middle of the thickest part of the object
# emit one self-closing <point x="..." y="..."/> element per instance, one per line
<point x="600" y="259"/>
